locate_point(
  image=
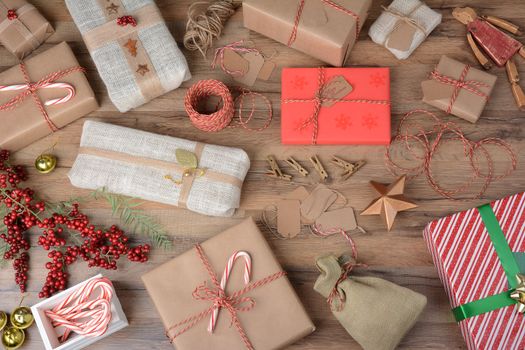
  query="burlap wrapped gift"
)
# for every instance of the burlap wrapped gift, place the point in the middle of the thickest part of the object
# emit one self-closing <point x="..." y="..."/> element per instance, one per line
<point x="375" y="312"/>
<point x="22" y="28"/>
<point x="146" y="165"/>
<point x="138" y="61"/>
<point x="403" y="26"/>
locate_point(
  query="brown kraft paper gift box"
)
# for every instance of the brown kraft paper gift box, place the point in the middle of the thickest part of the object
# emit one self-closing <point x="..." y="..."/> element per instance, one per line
<point x="276" y="320"/>
<point x="25" y="123"/>
<point x="26" y="32"/>
<point x="323" y="31"/>
<point x="470" y="100"/>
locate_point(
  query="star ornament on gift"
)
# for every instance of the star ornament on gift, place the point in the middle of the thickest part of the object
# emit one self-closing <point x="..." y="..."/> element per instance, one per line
<point x="518" y="293"/>
<point x="391" y="202"/>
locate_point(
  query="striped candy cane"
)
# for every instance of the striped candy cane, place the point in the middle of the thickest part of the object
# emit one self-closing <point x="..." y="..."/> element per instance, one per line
<point x="82" y="313"/>
<point x="70" y="91"/>
<point x="226" y="276"/>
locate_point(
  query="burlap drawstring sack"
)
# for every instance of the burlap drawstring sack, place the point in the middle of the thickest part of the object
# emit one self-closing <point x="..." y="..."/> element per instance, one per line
<point x="375" y="312"/>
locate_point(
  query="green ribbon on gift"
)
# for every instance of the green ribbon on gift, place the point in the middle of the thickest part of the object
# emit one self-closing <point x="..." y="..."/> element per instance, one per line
<point x="510" y="266"/>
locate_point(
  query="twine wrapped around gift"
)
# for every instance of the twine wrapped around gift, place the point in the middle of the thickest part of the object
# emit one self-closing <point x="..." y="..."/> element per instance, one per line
<point x="330" y="3"/>
<point x="82" y="313"/>
<point x="459" y="84"/>
<point x="320" y="98"/>
<point x="216" y="294"/>
<point x="30" y="89"/>
<point x="17" y="15"/>
<point x="404" y="18"/>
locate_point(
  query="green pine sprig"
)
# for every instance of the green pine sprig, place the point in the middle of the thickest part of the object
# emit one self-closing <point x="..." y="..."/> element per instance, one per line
<point x="129" y="213"/>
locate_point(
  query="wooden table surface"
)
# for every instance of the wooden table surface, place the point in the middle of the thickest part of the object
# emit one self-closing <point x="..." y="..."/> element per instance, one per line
<point x="399" y="256"/>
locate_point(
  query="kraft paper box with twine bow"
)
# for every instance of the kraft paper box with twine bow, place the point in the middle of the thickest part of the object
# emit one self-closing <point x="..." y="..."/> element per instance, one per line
<point x="204" y="178"/>
<point x="458" y="89"/>
<point x="324" y="29"/>
<point x="403" y="26"/>
<point x="134" y="51"/>
<point x="22" y="28"/>
<point x="478" y="255"/>
<point x="42" y="95"/>
<point x="259" y="308"/>
<point x="335" y="106"/>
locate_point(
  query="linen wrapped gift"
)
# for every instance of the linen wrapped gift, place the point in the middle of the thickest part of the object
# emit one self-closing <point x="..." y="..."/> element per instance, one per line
<point x="258" y="307"/>
<point x="134" y="52"/>
<point x="203" y="178"/>
<point x="375" y="312"/>
<point x="335" y="106"/>
<point x="458" y="89"/>
<point x="478" y="259"/>
<point x="403" y="26"/>
<point x="61" y="94"/>
<point x="22" y="27"/>
<point x="324" y="29"/>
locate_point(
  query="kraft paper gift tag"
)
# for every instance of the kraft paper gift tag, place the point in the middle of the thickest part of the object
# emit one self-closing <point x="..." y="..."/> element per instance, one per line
<point x="317" y="203"/>
<point x="289" y="218"/>
<point x="401" y="37"/>
<point x="300" y="193"/>
<point x="338" y="87"/>
<point x="256" y="62"/>
<point x="235" y="62"/>
<point x="266" y="70"/>
<point x="343" y="218"/>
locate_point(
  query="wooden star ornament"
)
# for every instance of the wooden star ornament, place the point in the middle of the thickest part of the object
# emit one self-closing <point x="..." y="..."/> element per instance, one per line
<point x="143" y="69"/>
<point x="391" y="202"/>
<point x="131" y="45"/>
<point x="112" y="9"/>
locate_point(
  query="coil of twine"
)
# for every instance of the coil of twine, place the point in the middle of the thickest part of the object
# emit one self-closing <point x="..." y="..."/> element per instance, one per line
<point x="203" y="27"/>
<point x="225" y="111"/>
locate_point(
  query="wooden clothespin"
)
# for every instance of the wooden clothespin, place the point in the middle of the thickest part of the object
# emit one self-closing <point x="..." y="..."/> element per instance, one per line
<point x="319" y="168"/>
<point x="298" y="167"/>
<point x="275" y="171"/>
<point x="349" y="168"/>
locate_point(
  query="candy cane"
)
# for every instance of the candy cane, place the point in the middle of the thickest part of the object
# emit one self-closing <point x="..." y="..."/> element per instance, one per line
<point x="70" y="91"/>
<point x="83" y="314"/>
<point x="226" y="276"/>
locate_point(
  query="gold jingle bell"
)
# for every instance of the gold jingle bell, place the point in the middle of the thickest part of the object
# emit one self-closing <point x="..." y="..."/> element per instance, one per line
<point x="22" y="317"/>
<point x="45" y="163"/>
<point x="13" y="338"/>
<point x="3" y="320"/>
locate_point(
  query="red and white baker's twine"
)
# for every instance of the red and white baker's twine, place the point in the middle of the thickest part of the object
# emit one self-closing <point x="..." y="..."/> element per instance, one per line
<point x="330" y="3"/>
<point x="422" y="142"/>
<point x="318" y="101"/>
<point x="226" y="276"/>
<point x="237" y="46"/>
<point x="82" y="313"/>
<point x="30" y="89"/>
<point x="458" y="84"/>
<point x="225" y="113"/>
<point x="218" y="298"/>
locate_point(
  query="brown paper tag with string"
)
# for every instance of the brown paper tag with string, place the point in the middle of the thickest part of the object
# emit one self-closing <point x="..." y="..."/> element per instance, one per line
<point x="256" y="62"/>
<point x="337" y="88"/>
<point x="235" y="62"/>
<point x="401" y="37"/>
<point x="266" y="70"/>
<point x="289" y="217"/>
<point x="300" y="193"/>
<point x="317" y="203"/>
<point x="343" y="218"/>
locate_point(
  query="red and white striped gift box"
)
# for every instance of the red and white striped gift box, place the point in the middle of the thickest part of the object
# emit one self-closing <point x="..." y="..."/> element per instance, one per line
<point x="470" y="270"/>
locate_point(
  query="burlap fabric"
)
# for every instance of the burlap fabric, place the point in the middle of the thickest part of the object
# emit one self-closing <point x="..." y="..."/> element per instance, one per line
<point x="376" y="313"/>
<point x="424" y="16"/>
<point x="134" y="72"/>
<point x="135" y="163"/>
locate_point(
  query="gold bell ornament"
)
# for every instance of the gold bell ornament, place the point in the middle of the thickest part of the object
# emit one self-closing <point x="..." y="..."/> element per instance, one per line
<point x="3" y="320"/>
<point x="13" y="338"/>
<point x="22" y="318"/>
<point x="45" y="163"/>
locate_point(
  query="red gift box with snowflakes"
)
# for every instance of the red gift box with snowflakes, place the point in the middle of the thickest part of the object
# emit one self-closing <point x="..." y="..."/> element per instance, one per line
<point x="334" y="106"/>
<point x="471" y="270"/>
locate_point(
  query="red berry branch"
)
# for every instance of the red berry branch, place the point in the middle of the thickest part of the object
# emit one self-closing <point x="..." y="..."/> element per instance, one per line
<point x="98" y="247"/>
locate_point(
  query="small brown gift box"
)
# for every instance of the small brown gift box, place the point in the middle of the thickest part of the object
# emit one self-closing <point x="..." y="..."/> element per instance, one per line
<point x="458" y="89"/>
<point x="23" y="122"/>
<point x="22" y="27"/>
<point x="324" y="29"/>
<point x="276" y="318"/>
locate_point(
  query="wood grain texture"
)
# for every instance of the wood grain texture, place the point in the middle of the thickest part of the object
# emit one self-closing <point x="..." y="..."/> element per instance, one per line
<point x="399" y="256"/>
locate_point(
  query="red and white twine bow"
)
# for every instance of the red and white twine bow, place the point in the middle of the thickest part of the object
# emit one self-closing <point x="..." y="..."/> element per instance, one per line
<point x="216" y="294"/>
<point x="30" y="89"/>
<point x="318" y="100"/>
<point x="82" y="313"/>
<point x="458" y="84"/>
<point x="330" y="3"/>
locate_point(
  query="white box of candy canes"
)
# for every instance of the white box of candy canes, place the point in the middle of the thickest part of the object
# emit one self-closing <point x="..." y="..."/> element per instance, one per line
<point x="80" y="315"/>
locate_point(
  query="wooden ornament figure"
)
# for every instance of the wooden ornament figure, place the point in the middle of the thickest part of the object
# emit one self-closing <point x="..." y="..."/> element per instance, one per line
<point x="486" y="39"/>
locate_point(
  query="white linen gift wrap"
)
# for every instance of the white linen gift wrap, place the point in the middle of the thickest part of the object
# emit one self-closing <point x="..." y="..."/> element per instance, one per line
<point x="146" y="165"/>
<point x="403" y="26"/>
<point x="134" y="52"/>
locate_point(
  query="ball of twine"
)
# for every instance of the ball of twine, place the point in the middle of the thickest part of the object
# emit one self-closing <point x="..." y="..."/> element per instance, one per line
<point x="203" y="27"/>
